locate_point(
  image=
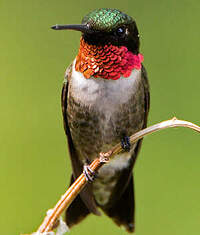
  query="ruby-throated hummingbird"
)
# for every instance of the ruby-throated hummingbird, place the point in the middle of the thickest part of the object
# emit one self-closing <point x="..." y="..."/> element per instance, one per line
<point x="105" y="99"/>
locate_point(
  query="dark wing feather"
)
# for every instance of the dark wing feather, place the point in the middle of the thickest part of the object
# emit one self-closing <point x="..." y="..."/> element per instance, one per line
<point x="86" y="194"/>
<point x="145" y="83"/>
<point x="73" y="155"/>
<point x="146" y="92"/>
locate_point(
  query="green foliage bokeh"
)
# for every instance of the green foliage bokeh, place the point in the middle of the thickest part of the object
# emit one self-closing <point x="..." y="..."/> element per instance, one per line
<point x="34" y="166"/>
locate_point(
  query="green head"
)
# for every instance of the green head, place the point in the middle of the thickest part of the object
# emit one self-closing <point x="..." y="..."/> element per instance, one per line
<point x="106" y="19"/>
<point x="106" y="25"/>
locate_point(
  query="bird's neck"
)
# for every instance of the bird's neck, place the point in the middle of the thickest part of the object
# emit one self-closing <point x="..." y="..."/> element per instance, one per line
<point x="108" y="61"/>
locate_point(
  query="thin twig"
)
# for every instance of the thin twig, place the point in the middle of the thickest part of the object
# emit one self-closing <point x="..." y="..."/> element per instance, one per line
<point x="50" y="220"/>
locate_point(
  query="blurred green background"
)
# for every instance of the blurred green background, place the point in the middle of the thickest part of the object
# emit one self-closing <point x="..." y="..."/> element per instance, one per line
<point x="34" y="166"/>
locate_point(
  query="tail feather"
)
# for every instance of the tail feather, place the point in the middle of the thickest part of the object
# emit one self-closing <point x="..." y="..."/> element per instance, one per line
<point x="122" y="212"/>
<point x="77" y="211"/>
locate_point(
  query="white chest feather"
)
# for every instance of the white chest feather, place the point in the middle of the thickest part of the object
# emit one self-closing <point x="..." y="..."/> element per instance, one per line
<point x="106" y="96"/>
<point x="102" y="93"/>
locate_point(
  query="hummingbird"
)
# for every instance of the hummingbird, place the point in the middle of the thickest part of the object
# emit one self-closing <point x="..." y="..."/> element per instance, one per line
<point x="105" y="99"/>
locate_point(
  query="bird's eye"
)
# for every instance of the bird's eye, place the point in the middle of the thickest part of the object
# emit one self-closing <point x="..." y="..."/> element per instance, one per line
<point x="120" y="31"/>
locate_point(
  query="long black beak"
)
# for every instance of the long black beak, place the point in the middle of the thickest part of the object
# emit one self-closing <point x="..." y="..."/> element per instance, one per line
<point x="78" y="27"/>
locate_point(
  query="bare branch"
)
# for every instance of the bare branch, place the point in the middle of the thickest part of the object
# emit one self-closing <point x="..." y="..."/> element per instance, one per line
<point x="174" y="122"/>
<point x="50" y="220"/>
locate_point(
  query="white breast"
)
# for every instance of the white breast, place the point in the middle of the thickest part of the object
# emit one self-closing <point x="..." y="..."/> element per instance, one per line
<point x="105" y="96"/>
<point x="102" y="93"/>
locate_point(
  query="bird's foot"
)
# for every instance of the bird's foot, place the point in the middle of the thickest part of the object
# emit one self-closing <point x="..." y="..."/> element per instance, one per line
<point x="88" y="173"/>
<point x="125" y="143"/>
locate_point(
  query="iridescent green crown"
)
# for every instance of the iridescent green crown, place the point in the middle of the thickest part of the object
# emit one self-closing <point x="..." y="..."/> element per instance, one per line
<point x="106" y="19"/>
